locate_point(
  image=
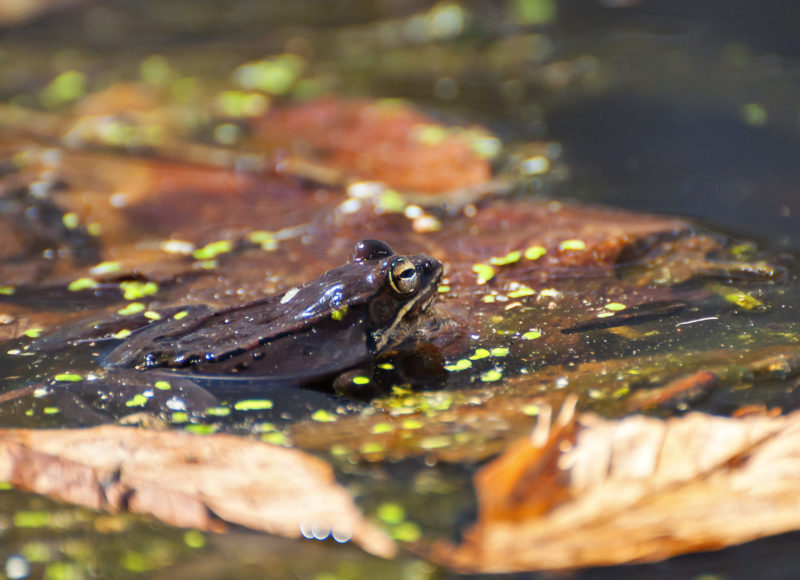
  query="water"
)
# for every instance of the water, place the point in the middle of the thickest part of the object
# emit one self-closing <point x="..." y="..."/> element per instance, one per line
<point x="666" y="107"/>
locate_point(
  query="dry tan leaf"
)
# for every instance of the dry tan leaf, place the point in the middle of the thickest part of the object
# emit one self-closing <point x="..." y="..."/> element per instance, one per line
<point x="641" y="489"/>
<point x="188" y="480"/>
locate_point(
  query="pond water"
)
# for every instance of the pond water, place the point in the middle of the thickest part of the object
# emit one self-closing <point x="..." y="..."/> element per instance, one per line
<point x="134" y="137"/>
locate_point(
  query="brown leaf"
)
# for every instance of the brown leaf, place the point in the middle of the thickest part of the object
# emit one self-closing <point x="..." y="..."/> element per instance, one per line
<point x="188" y="480"/>
<point x="525" y="480"/>
<point x="683" y="388"/>
<point x="642" y="489"/>
<point x="374" y="140"/>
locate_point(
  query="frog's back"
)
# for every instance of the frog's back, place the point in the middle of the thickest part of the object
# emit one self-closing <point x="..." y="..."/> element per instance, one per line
<point x="246" y="341"/>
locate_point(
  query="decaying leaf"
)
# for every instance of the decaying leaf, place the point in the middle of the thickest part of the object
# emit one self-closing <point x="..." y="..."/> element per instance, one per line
<point x="188" y="480"/>
<point x="639" y="489"/>
<point x="386" y="141"/>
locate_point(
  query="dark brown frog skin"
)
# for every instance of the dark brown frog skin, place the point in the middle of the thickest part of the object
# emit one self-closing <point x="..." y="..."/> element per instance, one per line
<point x="305" y="336"/>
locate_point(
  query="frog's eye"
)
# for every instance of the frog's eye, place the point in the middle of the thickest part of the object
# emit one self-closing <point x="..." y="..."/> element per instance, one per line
<point x="403" y="277"/>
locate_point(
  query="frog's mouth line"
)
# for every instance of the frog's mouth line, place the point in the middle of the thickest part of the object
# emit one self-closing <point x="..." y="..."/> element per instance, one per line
<point x="422" y="307"/>
<point x="417" y="305"/>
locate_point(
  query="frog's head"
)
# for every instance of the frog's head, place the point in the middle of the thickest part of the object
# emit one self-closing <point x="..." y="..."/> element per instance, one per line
<point x="405" y="289"/>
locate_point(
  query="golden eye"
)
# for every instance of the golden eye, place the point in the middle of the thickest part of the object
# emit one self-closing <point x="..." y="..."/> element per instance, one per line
<point x="403" y="276"/>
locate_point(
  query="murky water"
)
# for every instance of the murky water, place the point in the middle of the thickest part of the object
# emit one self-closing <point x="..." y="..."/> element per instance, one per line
<point x="666" y="107"/>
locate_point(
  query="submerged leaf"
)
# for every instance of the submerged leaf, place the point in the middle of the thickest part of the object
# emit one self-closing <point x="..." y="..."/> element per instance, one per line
<point x="385" y="141"/>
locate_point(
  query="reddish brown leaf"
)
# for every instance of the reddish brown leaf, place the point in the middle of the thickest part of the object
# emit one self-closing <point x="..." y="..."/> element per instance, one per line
<point x="756" y="411"/>
<point x="376" y="141"/>
<point x="684" y="388"/>
<point x="188" y="480"/>
<point x="642" y="489"/>
<point x="525" y="480"/>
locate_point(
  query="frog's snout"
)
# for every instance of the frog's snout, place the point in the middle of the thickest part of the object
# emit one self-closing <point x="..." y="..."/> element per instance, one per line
<point x="431" y="266"/>
<point x="432" y="271"/>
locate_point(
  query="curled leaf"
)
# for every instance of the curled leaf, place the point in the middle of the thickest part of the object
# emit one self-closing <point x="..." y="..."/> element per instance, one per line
<point x="639" y="489"/>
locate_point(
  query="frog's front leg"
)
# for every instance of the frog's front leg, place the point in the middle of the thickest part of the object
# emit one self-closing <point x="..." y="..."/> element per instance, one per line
<point x="414" y="365"/>
<point x="357" y="383"/>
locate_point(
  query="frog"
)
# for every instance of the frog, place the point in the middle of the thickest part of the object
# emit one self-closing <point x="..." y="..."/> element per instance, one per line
<point x="327" y="332"/>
